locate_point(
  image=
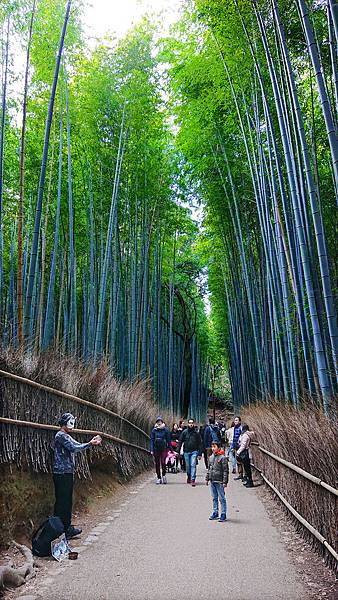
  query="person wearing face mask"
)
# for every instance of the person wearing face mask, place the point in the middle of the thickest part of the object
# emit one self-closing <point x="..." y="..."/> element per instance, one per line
<point x="65" y="448"/>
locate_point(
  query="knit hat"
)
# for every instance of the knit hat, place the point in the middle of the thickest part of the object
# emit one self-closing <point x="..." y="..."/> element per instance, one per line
<point x="159" y="418"/>
<point x="65" y="418"/>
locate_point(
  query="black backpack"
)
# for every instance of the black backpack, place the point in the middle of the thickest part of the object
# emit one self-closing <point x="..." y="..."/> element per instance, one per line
<point x="160" y="443"/>
<point x="215" y="434"/>
<point x="48" y="531"/>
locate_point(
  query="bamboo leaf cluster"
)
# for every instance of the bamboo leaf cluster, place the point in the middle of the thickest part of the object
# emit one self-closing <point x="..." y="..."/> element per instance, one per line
<point x="255" y="86"/>
<point x="94" y="240"/>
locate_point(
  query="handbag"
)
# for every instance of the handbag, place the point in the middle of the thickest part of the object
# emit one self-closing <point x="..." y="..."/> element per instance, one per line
<point x="244" y="455"/>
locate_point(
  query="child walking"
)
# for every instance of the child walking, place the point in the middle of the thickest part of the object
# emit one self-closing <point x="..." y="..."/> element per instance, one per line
<point x="218" y="475"/>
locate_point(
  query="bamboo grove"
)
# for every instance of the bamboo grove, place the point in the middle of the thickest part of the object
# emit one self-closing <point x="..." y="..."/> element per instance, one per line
<point x="255" y="89"/>
<point x="95" y="251"/>
<point x="100" y="257"/>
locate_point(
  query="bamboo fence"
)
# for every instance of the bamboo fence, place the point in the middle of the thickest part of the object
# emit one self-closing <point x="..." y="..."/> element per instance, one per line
<point x="27" y="409"/>
<point x="311" y="501"/>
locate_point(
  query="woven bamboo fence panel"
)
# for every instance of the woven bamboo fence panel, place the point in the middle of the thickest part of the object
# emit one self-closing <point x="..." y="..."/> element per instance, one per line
<point x="32" y="447"/>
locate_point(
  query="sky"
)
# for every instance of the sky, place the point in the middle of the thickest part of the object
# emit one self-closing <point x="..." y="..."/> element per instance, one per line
<point x="117" y="16"/>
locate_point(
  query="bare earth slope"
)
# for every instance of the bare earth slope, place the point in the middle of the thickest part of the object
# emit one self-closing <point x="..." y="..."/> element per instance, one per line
<point x="159" y="544"/>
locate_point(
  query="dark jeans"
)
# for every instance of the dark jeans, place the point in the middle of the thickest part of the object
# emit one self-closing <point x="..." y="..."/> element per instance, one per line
<point x="63" y="485"/>
<point x="247" y="467"/>
<point x="160" y="456"/>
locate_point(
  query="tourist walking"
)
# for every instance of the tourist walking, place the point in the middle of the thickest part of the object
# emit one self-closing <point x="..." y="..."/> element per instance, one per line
<point x="65" y="448"/>
<point x="229" y="435"/>
<point x="180" y="449"/>
<point x="160" y="441"/>
<point x="175" y="435"/>
<point x="235" y="444"/>
<point x="243" y="454"/>
<point x="193" y="448"/>
<point x="218" y="475"/>
<point x="205" y="454"/>
<point x="211" y="434"/>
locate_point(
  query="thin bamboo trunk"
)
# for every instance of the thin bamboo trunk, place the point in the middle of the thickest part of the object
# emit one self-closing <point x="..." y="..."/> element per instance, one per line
<point x="38" y="210"/>
<point x="21" y="196"/>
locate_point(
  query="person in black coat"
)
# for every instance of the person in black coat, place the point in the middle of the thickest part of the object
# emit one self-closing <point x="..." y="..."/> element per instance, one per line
<point x="193" y="448"/>
<point x="160" y="441"/>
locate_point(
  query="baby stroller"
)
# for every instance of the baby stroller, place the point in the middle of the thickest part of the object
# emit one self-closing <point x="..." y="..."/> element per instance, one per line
<point x="171" y="461"/>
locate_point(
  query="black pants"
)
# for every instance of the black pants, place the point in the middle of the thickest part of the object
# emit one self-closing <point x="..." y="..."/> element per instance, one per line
<point x="247" y="467"/>
<point x="63" y="485"/>
<point x="206" y="458"/>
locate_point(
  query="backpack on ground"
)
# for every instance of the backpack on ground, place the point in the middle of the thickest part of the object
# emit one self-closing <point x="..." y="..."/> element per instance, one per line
<point x="48" y="531"/>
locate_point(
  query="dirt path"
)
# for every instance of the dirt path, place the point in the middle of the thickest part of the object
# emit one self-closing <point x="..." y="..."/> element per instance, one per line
<point x="159" y="544"/>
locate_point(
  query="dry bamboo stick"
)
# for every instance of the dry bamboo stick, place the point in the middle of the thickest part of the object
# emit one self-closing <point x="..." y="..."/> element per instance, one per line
<point x="298" y="470"/>
<point x="76" y="399"/>
<point x="107" y="436"/>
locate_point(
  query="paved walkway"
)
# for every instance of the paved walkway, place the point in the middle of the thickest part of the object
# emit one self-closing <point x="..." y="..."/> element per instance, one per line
<point x="160" y="545"/>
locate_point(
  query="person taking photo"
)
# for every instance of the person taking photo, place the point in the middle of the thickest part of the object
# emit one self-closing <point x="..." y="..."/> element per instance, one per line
<point x="65" y="448"/>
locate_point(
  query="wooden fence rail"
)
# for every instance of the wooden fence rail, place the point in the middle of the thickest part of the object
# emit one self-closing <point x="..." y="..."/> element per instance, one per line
<point x="315" y="480"/>
<point x="27" y="406"/>
<point x="301" y="519"/>
<point x="71" y="397"/>
<point x="88" y="432"/>
<point x="298" y="470"/>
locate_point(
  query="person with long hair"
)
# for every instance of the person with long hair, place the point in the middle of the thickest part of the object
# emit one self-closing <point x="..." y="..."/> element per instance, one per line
<point x="243" y="454"/>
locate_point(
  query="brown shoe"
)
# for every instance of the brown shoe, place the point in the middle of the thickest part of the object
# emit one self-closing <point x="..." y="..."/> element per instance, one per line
<point x="193" y="483"/>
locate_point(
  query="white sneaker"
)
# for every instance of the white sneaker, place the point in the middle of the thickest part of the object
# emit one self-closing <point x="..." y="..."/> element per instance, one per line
<point x="158" y="481"/>
<point x="164" y="479"/>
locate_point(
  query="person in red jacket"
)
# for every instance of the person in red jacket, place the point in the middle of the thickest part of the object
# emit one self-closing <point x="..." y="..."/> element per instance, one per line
<point x="218" y="475"/>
